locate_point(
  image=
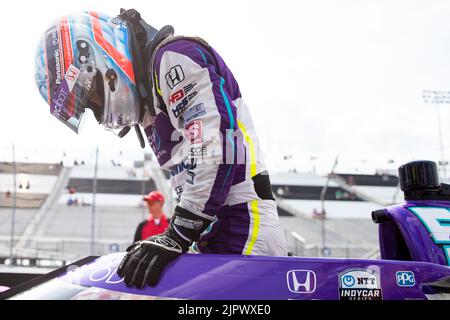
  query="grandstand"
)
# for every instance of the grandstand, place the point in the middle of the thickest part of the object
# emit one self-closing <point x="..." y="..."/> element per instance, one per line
<point x="301" y="194"/>
<point x="22" y="219"/>
<point x="349" y="200"/>
<point x="34" y="183"/>
<point x="58" y="231"/>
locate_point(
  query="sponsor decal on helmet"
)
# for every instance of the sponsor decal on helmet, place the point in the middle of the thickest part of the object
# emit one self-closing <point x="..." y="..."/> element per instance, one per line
<point x="72" y="76"/>
<point x="66" y="41"/>
<point x="59" y="103"/>
<point x="53" y="59"/>
<point x="359" y="285"/>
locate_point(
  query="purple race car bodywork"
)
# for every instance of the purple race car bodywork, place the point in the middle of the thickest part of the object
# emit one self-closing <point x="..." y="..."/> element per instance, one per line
<point x="415" y="264"/>
<point x="260" y="278"/>
<point x="195" y="276"/>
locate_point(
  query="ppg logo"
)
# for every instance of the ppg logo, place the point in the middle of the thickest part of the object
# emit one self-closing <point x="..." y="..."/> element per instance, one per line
<point x="405" y="279"/>
<point x="301" y="281"/>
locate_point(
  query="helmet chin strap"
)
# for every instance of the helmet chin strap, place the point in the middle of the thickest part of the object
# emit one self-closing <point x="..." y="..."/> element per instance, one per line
<point x="137" y="128"/>
<point x="124" y="131"/>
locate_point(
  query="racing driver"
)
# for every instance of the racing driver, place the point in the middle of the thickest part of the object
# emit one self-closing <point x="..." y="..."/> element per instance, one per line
<point x="181" y="92"/>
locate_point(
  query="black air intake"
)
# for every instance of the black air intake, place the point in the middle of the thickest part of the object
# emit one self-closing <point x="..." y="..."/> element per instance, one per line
<point x="418" y="175"/>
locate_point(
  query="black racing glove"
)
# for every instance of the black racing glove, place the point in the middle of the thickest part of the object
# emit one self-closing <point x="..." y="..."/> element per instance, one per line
<point x="145" y="260"/>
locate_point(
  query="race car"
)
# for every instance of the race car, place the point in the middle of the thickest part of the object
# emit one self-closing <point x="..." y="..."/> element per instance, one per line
<point x="415" y="263"/>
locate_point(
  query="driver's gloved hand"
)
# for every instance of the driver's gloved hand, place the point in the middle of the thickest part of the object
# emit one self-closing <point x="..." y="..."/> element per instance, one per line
<point x="145" y="260"/>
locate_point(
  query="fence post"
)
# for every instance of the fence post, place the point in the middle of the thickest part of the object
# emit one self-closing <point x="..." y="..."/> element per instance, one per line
<point x="13" y="213"/>
<point x="94" y="192"/>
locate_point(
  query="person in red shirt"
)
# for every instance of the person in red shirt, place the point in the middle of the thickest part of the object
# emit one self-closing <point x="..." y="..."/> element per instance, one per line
<point x="156" y="222"/>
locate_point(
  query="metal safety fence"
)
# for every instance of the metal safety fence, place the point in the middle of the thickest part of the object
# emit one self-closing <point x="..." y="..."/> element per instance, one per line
<point x="300" y="248"/>
<point x="64" y="249"/>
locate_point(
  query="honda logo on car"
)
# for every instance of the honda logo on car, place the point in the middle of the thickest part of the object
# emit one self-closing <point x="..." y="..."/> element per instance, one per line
<point x="359" y="285"/>
<point x="301" y="281"/>
<point x="405" y="279"/>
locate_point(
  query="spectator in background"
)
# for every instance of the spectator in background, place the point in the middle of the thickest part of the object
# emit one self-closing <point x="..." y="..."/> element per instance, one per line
<point x="318" y="214"/>
<point x="350" y="180"/>
<point x="71" y="200"/>
<point x="156" y="222"/>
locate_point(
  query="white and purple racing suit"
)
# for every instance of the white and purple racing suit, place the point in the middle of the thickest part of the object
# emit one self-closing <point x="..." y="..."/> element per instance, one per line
<point x="203" y="133"/>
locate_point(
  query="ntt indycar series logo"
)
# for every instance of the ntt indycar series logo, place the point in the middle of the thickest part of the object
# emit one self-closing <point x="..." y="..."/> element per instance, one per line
<point x="359" y="285"/>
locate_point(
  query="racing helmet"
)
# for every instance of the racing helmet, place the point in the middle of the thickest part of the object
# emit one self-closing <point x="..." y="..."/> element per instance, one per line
<point x="83" y="61"/>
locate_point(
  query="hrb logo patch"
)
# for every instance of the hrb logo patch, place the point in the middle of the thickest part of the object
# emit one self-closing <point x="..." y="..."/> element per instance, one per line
<point x="193" y="132"/>
<point x="176" y="96"/>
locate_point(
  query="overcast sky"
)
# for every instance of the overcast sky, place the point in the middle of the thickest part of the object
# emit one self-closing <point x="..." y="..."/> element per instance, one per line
<point x="320" y="77"/>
